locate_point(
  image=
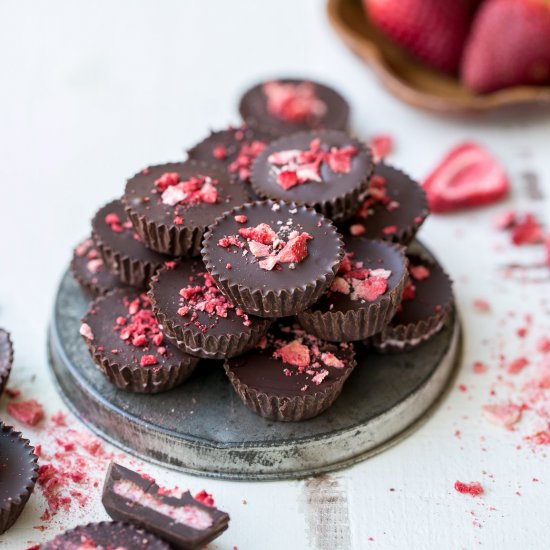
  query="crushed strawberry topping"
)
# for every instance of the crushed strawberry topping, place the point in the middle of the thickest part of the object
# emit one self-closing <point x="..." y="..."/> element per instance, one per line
<point x="419" y="272"/>
<point x="195" y="190"/>
<point x="505" y="415"/>
<point x="296" y="166"/>
<point x="245" y="157"/>
<point x="293" y="103"/>
<point x="377" y="196"/>
<point x="381" y="145"/>
<point x="29" y="412"/>
<point x="359" y="282"/>
<point x="203" y="295"/>
<point x="268" y="247"/>
<point x="527" y="231"/>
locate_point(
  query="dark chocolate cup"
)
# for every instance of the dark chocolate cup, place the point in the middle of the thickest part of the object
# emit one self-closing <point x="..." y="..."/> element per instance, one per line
<point x="107" y="534"/>
<point x="208" y="346"/>
<point x="338" y="209"/>
<point x="135" y="378"/>
<point x="357" y="324"/>
<point x="271" y="303"/>
<point x="23" y="484"/>
<point x="6" y="358"/>
<point x="291" y="408"/>
<point x="172" y="239"/>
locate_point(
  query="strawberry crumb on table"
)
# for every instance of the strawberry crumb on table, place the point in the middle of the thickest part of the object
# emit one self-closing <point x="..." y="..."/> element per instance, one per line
<point x="116" y="98"/>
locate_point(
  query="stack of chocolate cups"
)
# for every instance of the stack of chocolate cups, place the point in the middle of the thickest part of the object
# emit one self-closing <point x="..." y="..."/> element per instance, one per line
<point x="276" y="247"/>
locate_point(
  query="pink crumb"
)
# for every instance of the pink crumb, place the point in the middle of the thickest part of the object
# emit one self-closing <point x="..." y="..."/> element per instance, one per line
<point x="29" y="412"/>
<point x="474" y="488"/>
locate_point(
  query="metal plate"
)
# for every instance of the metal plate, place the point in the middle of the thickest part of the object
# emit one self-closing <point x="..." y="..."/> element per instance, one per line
<point x="202" y="427"/>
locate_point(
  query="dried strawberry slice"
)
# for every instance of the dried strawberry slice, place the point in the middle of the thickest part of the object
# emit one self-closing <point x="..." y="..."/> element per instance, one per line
<point x="468" y="176"/>
<point x="295" y="250"/>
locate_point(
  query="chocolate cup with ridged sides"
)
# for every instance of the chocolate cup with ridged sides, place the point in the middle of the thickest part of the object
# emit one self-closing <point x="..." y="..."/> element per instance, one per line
<point x="178" y="230"/>
<point x="423" y="316"/>
<point x="339" y="317"/>
<point x="120" y="361"/>
<point x="397" y="218"/>
<point x="336" y="196"/>
<point x="89" y="270"/>
<point x="106" y="534"/>
<point x="280" y="390"/>
<point x="18" y="473"/>
<point x="285" y="290"/>
<point x="122" y="249"/>
<point x="197" y="331"/>
<point x="6" y="358"/>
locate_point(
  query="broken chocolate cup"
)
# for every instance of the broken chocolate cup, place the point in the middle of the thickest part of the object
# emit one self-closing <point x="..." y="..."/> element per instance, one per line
<point x="293" y="376"/>
<point x="247" y="271"/>
<point x="332" y="188"/>
<point x="130" y="349"/>
<point x="121" y="247"/>
<point x="176" y="227"/>
<point x="105" y="534"/>
<point x="18" y="473"/>
<point x="90" y="272"/>
<point x="393" y="208"/>
<point x="326" y="108"/>
<point x="204" y="323"/>
<point x="427" y="305"/>
<point x="356" y="307"/>
<point x="6" y="358"/>
<point x="182" y="521"/>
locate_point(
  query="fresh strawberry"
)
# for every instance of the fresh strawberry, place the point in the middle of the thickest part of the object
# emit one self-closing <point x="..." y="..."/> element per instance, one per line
<point x="509" y="45"/>
<point x="468" y="176"/>
<point x="434" y="31"/>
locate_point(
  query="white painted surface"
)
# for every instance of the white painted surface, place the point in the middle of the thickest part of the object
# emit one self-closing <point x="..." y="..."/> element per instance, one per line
<point x="92" y="93"/>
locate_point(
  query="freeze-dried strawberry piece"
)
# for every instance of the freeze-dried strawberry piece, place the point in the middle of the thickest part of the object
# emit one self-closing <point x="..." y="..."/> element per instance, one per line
<point x="259" y="250"/>
<point x="226" y="242"/>
<point x="505" y="220"/>
<point x="339" y="284"/>
<point x="357" y="229"/>
<point x="468" y="176"/>
<point x="287" y="179"/>
<point x="409" y="292"/>
<point x="381" y="146"/>
<point x="527" y="231"/>
<point x="474" y="488"/>
<point x="293" y="102"/>
<point x="206" y="498"/>
<point x="339" y="159"/>
<point x="369" y="289"/>
<point x="148" y="360"/>
<point x="517" y="365"/>
<point x="295" y="353"/>
<point x="319" y="377"/>
<point x="269" y="263"/>
<point x="245" y="158"/>
<point x="419" y="272"/>
<point x="241" y="218"/>
<point x="295" y="250"/>
<point x="280" y="158"/>
<point x="330" y="360"/>
<point x="208" y="193"/>
<point x="506" y="414"/>
<point x="166" y="180"/>
<point x="29" y="412"/>
<point x="345" y="266"/>
<point x="360" y="274"/>
<point x="86" y="331"/>
<point x="262" y="233"/>
<point x="219" y="152"/>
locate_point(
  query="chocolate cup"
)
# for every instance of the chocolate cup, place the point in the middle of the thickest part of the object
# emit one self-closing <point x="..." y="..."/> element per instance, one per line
<point x="93" y="284"/>
<point x="123" y="373"/>
<point x="19" y="471"/>
<point x="265" y="295"/>
<point x="348" y="320"/>
<point x="125" y="257"/>
<point x="253" y="109"/>
<point x="153" y="221"/>
<point x="227" y="338"/>
<point x="6" y="358"/>
<point x="337" y="196"/>
<point x="407" y="218"/>
<point x="290" y="404"/>
<point x="414" y="325"/>
<point x="106" y="534"/>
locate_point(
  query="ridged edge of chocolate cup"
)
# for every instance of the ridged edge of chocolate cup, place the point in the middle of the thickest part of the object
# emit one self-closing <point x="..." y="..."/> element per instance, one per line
<point x="5" y="369"/>
<point x="174" y="240"/>
<point x="339" y="209"/>
<point x="209" y="346"/>
<point x="130" y="271"/>
<point x="48" y="545"/>
<point x="271" y="304"/>
<point x="357" y="324"/>
<point x="421" y="331"/>
<point x="135" y="378"/>
<point x="289" y="409"/>
<point x="406" y="234"/>
<point x="11" y="511"/>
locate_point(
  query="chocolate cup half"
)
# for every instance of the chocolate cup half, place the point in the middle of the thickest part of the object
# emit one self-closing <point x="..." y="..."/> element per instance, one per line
<point x="275" y="293"/>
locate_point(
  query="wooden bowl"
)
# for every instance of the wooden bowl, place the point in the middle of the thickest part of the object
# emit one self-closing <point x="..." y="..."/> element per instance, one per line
<point x="413" y="82"/>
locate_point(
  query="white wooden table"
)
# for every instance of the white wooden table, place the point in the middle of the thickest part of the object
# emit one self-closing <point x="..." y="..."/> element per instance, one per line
<point x="92" y="93"/>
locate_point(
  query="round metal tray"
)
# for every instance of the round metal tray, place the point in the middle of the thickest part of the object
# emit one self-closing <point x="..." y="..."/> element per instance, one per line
<point x="202" y="427"/>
